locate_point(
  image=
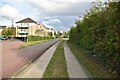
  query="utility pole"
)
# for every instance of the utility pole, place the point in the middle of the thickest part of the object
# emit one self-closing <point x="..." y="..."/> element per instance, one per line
<point x="12" y="26"/>
<point x="12" y="23"/>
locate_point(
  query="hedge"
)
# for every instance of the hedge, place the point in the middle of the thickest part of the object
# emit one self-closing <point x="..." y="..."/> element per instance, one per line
<point x="99" y="33"/>
<point x="37" y="38"/>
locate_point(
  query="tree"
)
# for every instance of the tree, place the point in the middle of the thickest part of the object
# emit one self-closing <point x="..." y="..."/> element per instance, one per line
<point x="10" y="31"/>
<point x="99" y="33"/>
<point x="58" y="34"/>
<point x="50" y="34"/>
<point x="55" y="33"/>
<point x="65" y="34"/>
<point x="38" y="32"/>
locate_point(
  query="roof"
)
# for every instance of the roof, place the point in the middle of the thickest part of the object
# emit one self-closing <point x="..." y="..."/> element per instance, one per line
<point x="44" y="26"/>
<point x="27" y="20"/>
<point x="47" y="27"/>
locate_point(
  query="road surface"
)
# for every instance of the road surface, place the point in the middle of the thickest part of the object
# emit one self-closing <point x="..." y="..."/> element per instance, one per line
<point x="14" y="58"/>
<point x="37" y="68"/>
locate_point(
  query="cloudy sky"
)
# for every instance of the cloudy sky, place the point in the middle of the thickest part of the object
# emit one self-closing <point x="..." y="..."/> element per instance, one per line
<point x="57" y="14"/>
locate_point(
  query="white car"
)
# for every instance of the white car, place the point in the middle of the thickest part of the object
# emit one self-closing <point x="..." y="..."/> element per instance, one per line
<point x="3" y="37"/>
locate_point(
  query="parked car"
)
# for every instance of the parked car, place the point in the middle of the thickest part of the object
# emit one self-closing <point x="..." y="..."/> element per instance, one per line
<point x="3" y="37"/>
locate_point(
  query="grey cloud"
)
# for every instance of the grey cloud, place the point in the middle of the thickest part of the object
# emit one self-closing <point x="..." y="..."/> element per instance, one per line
<point x="63" y="8"/>
<point x="66" y="12"/>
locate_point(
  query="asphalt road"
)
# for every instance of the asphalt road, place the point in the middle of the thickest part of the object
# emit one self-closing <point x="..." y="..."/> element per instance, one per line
<point x="14" y="58"/>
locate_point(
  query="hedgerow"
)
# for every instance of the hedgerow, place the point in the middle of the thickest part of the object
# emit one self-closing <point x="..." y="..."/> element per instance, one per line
<point x="37" y="38"/>
<point x="99" y="33"/>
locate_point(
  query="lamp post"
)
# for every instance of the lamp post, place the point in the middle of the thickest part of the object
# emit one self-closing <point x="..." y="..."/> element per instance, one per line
<point x="12" y="23"/>
<point x="12" y="32"/>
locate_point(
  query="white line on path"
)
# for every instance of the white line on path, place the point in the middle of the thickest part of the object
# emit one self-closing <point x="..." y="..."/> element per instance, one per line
<point x="75" y="70"/>
<point x="38" y="67"/>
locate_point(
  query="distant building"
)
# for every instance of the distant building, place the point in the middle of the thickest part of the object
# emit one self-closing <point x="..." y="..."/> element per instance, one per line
<point x="43" y="30"/>
<point x="1" y="29"/>
<point x="28" y="26"/>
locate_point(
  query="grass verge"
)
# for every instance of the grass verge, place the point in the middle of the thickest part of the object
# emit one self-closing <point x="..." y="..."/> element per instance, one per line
<point x="30" y="43"/>
<point x="57" y="66"/>
<point x="95" y="69"/>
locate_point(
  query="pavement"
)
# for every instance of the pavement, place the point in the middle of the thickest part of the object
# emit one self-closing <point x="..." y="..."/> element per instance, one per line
<point x="14" y="58"/>
<point x="74" y="68"/>
<point x="37" y="68"/>
<point x="9" y="56"/>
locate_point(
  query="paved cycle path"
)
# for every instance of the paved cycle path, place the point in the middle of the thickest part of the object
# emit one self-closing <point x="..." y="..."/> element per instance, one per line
<point x="75" y="70"/>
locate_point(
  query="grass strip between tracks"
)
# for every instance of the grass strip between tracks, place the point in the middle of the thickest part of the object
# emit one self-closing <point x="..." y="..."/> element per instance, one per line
<point x="57" y="66"/>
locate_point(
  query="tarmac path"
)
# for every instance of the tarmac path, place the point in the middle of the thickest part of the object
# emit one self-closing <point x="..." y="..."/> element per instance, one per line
<point x="14" y="58"/>
<point x="37" y="68"/>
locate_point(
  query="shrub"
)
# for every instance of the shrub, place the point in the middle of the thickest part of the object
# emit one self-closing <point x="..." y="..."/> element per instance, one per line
<point x="37" y="38"/>
<point x="99" y="33"/>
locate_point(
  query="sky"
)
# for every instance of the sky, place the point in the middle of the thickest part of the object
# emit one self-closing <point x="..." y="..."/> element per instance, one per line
<point x="57" y="14"/>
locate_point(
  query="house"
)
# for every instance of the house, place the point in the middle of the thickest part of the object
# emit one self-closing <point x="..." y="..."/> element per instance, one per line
<point x="28" y="26"/>
<point x="1" y="29"/>
<point x="43" y="30"/>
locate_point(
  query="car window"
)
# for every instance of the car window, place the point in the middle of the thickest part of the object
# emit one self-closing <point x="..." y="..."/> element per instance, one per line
<point x="1" y="36"/>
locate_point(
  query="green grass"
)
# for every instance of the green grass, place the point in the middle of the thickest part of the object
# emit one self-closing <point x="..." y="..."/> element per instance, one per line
<point x="57" y="66"/>
<point x="30" y="43"/>
<point x="37" y="38"/>
<point x="95" y="69"/>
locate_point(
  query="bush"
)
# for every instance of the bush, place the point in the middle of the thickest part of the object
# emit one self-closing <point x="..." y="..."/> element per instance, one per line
<point x="99" y="33"/>
<point x="37" y="38"/>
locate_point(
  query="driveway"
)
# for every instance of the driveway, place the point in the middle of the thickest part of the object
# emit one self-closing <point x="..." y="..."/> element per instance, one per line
<point x="14" y="58"/>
